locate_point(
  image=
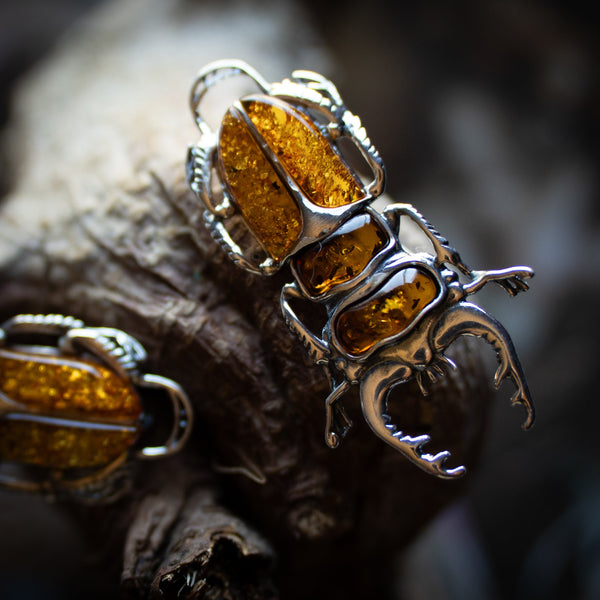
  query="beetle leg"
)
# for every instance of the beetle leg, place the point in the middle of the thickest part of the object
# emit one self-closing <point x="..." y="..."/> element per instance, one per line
<point x="352" y="127"/>
<point x="115" y="347"/>
<point x="219" y="233"/>
<point x="317" y="348"/>
<point x="183" y="415"/>
<point x="213" y="74"/>
<point x="199" y="173"/>
<point x="337" y="422"/>
<point x="344" y="123"/>
<point x="52" y="324"/>
<point x="468" y="319"/>
<point x="444" y="252"/>
<point x="124" y="353"/>
<point x="219" y="206"/>
<point x="511" y="279"/>
<point x="319" y="83"/>
<point x="374" y="391"/>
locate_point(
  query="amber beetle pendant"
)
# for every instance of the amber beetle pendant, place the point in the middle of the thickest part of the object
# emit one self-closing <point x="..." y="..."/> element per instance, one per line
<point x="72" y="409"/>
<point x="278" y="162"/>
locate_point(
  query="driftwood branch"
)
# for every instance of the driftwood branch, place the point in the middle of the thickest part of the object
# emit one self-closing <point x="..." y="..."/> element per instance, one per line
<point x="100" y="223"/>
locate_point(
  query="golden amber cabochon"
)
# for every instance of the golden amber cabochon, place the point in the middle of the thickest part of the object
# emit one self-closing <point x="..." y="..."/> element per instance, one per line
<point x="74" y="413"/>
<point x="302" y="151"/>
<point x="393" y="309"/>
<point x="341" y="257"/>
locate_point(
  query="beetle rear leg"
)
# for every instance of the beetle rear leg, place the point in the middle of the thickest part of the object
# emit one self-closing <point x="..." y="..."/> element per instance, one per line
<point x="374" y="391"/>
<point x="468" y="319"/>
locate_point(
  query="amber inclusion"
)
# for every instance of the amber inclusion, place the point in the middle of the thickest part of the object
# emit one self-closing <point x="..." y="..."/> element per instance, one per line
<point x="69" y="413"/>
<point x="341" y="257"/>
<point x="262" y="131"/>
<point x="389" y="312"/>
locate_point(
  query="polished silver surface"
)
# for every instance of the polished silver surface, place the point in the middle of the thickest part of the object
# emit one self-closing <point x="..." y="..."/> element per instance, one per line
<point x="182" y="415"/>
<point x="115" y="347"/>
<point x="116" y="350"/>
<point x="418" y="351"/>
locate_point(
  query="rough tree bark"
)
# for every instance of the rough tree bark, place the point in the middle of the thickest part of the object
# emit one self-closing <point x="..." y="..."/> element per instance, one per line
<point x="100" y="223"/>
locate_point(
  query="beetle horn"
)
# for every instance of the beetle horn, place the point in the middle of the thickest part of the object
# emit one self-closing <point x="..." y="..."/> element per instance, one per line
<point x="468" y="319"/>
<point x="374" y="391"/>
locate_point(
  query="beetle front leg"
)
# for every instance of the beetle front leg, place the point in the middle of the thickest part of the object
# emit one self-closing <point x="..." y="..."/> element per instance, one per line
<point x="374" y="392"/>
<point x="511" y="279"/>
<point x="319" y="83"/>
<point x="468" y="319"/>
<point x="444" y="252"/>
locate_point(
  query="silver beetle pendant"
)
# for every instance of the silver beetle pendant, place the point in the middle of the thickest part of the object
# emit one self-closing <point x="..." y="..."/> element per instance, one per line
<point x="73" y="408"/>
<point x="277" y="161"/>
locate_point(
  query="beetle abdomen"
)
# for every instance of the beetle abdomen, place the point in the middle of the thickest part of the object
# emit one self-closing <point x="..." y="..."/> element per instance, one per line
<point x="267" y="147"/>
<point x="67" y="413"/>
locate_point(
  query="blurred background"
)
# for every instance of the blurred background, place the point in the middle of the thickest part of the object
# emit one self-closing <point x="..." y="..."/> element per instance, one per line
<point x="486" y="116"/>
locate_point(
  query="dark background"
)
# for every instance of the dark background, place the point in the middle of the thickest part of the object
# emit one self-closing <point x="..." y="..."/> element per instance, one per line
<point x="486" y="116"/>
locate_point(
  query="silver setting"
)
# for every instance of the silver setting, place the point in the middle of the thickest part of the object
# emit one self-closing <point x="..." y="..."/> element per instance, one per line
<point x="116" y="350"/>
<point x="388" y="269"/>
<point x="418" y="351"/>
<point x="115" y="347"/>
<point x="214" y="73"/>
<point x="305" y="91"/>
<point x="182" y="415"/>
<point x="51" y="324"/>
<point x="370" y="270"/>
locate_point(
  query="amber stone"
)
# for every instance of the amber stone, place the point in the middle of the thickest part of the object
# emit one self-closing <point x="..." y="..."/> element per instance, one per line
<point x="263" y="131"/>
<point x="341" y="257"/>
<point x="69" y="412"/>
<point x="388" y="312"/>
<point x="57" y="445"/>
<point x="264" y="201"/>
<point x="304" y="152"/>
